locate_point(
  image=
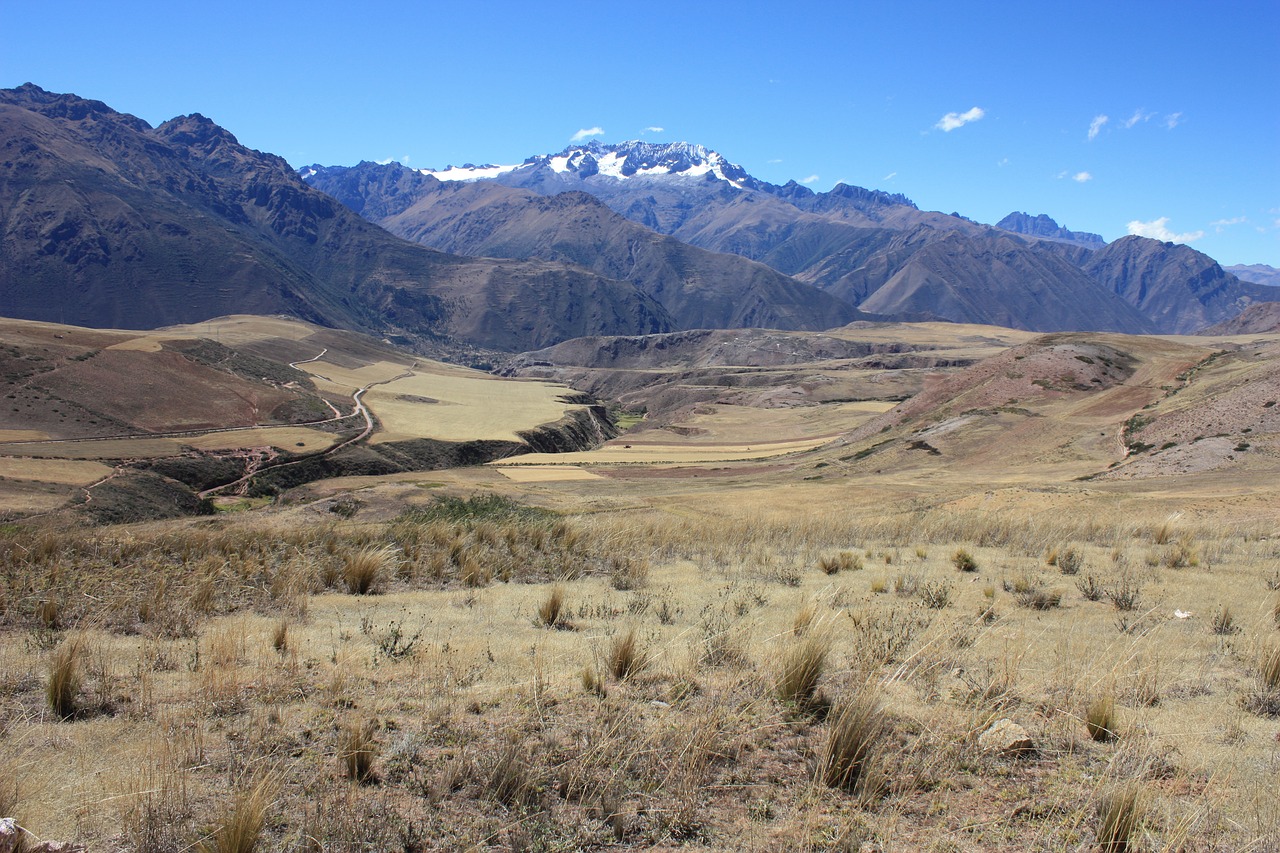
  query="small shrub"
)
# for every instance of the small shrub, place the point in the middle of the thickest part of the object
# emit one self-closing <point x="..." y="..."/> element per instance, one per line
<point x="1100" y="719"/>
<point x="1119" y="815"/>
<point x="936" y="595"/>
<point x="879" y="586"/>
<point x="848" y="758"/>
<point x="1090" y="588"/>
<point x="63" y="690"/>
<point x="1070" y="561"/>
<point x="1224" y="623"/>
<point x="357" y="749"/>
<point x="1124" y="593"/>
<point x="626" y="655"/>
<point x="964" y="561"/>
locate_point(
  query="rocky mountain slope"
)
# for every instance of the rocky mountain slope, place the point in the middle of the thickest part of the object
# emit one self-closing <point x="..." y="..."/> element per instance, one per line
<point x="106" y="221"/>
<point x="700" y="289"/>
<point x="1179" y="289"/>
<point x="876" y="251"/>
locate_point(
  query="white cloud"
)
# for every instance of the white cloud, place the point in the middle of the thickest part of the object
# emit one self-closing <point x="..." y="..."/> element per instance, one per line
<point x="1095" y="126"/>
<point x="385" y="162"/>
<point x="586" y="132"/>
<point x="1081" y="177"/>
<point x="890" y="176"/>
<point x="1158" y="229"/>
<point x="1003" y="161"/>
<point x="1139" y="115"/>
<point x="775" y="161"/>
<point x="1173" y="120"/>
<point x="653" y="130"/>
<point x="809" y="180"/>
<point x="1219" y="224"/>
<point x="951" y="121"/>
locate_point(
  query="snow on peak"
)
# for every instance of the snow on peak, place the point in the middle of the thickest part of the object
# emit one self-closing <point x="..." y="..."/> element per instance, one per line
<point x="644" y="159"/>
<point x="469" y="172"/>
<point x="624" y="160"/>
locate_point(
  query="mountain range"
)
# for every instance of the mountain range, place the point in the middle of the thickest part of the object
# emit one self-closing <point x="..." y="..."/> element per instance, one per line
<point x="107" y="221"/>
<point x="873" y="250"/>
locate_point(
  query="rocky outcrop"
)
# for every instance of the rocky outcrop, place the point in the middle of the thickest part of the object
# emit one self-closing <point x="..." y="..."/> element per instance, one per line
<point x="579" y="429"/>
<point x="1044" y="227"/>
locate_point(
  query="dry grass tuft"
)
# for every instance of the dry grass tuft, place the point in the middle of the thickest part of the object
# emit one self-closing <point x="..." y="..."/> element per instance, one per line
<point x="357" y="749"/>
<point x="1119" y="815"/>
<point x="1224" y="622"/>
<point x="1069" y="561"/>
<point x="1100" y="719"/>
<point x="1265" y="699"/>
<point x="280" y="636"/>
<point x="511" y="781"/>
<point x="628" y="573"/>
<point x="365" y="570"/>
<point x="844" y="561"/>
<point x="551" y="612"/>
<point x="801" y="666"/>
<point x="627" y="655"/>
<point x="63" y="689"/>
<point x="964" y="561"/>
<point x="849" y="757"/>
<point x="241" y="831"/>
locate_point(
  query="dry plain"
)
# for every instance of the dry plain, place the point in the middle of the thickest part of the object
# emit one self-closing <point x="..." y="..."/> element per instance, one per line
<point x="753" y="629"/>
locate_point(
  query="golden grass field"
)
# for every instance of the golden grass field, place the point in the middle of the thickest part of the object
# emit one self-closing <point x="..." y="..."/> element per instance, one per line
<point x="689" y="645"/>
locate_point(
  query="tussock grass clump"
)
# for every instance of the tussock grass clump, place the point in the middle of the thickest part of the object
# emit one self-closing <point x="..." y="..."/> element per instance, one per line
<point x="357" y="749"/>
<point x="1119" y="816"/>
<point x="964" y="561"/>
<point x="551" y="612"/>
<point x="1224" y="622"/>
<point x="1069" y="561"/>
<point x="63" y="689"/>
<point x="849" y="757"/>
<point x="844" y="561"/>
<point x="511" y="780"/>
<point x="280" y="636"/>
<point x="1100" y="719"/>
<point x="365" y="570"/>
<point x="628" y="573"/>
<point x="801" y="665"/>
<point x="627" y="655"/>
<point x="241" y="830"/>
<point x="1265" y="699"/>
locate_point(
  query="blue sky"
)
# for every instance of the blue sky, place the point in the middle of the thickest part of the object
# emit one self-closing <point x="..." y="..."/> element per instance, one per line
<point x="1164" y="115"/>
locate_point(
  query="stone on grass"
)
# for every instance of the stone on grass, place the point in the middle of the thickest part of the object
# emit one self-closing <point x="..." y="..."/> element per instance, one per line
<point x="1008" y="738"/>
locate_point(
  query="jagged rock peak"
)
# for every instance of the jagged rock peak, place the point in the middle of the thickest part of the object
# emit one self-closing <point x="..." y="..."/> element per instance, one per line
<point x="1045" y="227"/>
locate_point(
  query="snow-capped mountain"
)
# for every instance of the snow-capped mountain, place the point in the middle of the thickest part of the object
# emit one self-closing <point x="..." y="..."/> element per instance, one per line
<point x="633" y="159"/>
